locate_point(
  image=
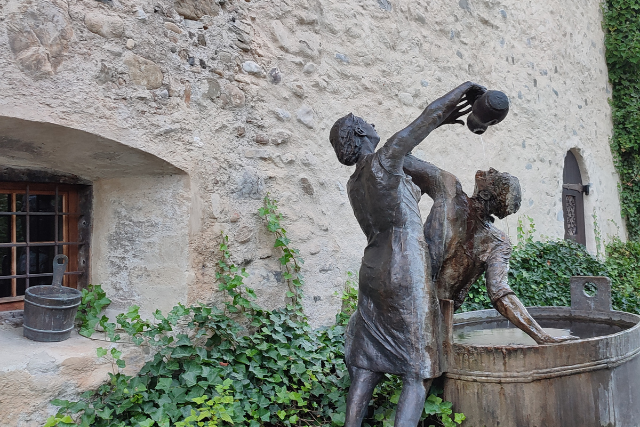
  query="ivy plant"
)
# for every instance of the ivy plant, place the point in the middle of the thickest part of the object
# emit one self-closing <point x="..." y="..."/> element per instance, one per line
<point x="539" y="272"/>
<point x="621" y="21"/>
<point x="235" y="365"/>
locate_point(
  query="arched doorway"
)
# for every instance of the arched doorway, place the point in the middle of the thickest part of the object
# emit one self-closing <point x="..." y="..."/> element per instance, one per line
<point x="572" y="200"/>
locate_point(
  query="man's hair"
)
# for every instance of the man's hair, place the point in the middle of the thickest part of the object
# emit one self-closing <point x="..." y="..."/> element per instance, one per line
<point x="502" y="185"/>
<point x="346" y="140"/>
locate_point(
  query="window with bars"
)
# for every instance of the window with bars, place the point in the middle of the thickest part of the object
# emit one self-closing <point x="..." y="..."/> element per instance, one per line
<point x="37" y="222"/>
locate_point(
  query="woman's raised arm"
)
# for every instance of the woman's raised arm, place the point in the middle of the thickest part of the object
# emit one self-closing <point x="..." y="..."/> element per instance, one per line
<point x="444" y="110"/>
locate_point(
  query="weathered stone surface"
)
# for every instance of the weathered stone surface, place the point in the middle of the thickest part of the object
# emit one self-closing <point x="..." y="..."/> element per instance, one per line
<point x="172" y="27"/>
<point x="249" y="184"/>
<point x="261" y="138"/>
<point x="283" y="38"/>
<point x="406" y="98"/>
<point x="196" y="9"/>
<point x="305" y="116"/>
<point x="107" y="26"/>
<point x="282" y="114"/>
<point x="233" y="96"/>
<point x="244" y="233"/>
<point x="274" y="75"/>
<point x="306" y="185"/>
<point x="342" y="57"/>
<point x="34" y="373"/>
<point x="310" y="68"/>
<point x="213" y="88"/>
<point x="257" y="153"/>
<point x="141" y="15"/>
<point x="106" y="74"/>
<point x="252" y="68"/>
<point x="280" y="136"/>
<point x="39" y="38"/>
<point x="143" y="72"/>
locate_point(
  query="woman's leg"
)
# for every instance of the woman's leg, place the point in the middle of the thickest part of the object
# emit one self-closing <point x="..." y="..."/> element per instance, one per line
<point x="362" y="384"/>
<point x="411" y="403"/>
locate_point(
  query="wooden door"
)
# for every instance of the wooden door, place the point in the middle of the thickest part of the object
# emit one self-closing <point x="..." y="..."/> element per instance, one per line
<point x="572" y="200"/>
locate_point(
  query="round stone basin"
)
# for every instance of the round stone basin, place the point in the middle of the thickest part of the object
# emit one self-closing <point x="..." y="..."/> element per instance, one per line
<point x="497" y="376"/>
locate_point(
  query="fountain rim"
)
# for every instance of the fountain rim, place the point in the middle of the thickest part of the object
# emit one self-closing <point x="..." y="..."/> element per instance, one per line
<point x="528" y="363"/>
<point x="539" y="312"/>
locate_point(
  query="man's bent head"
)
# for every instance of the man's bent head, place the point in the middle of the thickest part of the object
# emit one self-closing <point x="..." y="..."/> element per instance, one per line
<point x="500" y="192"/>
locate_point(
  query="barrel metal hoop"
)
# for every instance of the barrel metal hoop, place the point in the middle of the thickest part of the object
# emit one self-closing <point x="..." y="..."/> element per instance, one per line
<point x="47" y="331"/>
<point x="54" y="307"/>
<point x="540" y="374"/>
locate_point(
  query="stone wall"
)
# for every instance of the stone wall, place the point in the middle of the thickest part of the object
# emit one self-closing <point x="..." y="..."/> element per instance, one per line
<point x="230" y="100"/>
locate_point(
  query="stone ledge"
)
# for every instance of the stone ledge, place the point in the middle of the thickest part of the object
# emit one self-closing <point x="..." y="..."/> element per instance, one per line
<point x="34" y="373"/>
<point x="11" y="319"/>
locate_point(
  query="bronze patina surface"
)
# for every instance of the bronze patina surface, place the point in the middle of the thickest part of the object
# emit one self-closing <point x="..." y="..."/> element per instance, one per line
<point x="407" y="265"/>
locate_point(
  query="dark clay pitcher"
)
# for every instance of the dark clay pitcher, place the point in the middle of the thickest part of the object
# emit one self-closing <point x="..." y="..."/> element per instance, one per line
<point x="491" y="108"/>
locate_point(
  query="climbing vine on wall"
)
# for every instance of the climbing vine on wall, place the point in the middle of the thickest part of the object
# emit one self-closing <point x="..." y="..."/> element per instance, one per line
<point x="233" y="365"/>
<point x="622" y="42"/>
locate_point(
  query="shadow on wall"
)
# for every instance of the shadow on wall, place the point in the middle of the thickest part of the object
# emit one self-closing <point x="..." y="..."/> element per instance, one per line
<point x="139" y="222"/>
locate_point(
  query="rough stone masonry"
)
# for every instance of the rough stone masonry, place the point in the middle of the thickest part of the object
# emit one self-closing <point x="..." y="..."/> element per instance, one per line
<point x="185" y="114"/>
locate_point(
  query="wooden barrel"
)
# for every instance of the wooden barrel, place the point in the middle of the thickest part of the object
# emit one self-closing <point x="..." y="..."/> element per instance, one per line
<point x="591" y="382"/>
<point x="50" y="312"/>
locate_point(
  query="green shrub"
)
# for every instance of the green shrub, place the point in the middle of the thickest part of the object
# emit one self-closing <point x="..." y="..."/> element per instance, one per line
<point x="240" y="365"/>
<point x="623" y="267"/>
<point x="539" y="274"/>
<point x="540" y="271"/>
<point x="621" y="22"/>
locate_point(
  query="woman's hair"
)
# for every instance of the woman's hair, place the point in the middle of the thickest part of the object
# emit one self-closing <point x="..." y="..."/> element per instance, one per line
<point x="345" y="136"/>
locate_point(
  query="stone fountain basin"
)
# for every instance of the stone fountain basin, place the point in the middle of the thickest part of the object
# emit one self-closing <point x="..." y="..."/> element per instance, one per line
<point x="593" y="381"/>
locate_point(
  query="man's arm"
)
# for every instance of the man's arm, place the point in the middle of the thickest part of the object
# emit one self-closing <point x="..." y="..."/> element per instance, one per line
<point x="511" y="308"/>
<point x="507" y="304"/>
<point x="445" y="110"/>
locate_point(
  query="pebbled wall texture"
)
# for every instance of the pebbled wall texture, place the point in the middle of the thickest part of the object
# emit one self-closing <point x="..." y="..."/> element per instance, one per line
<point x="185" y="114"/>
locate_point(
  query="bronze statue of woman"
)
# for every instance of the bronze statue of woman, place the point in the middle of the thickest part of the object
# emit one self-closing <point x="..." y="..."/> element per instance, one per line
<point x="396" y="326"/>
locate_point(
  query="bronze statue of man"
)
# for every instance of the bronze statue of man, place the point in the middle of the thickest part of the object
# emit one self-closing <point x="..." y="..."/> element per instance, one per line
<point x="396" y="328"/>
<point x="463" y="243"/>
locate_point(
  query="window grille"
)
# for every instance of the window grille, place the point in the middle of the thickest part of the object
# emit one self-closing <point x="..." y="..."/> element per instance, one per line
<point x="37" y="222"/>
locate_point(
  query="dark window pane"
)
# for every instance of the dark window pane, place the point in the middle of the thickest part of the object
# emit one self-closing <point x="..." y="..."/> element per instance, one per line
<point x="42" y="203"/>
<point x="5" y="288"/>
<point x="41" y="228"/>
<point x="20" y="203"/>
<point x="37" y="203"/>
<point x="21" y="285"/>
<point x="5" y="261"/>
<point x="21" y="228"/>
<point x="40" y="260"/>
<point x="37" y="281"/>
<point x="5" y="202"/>
<point x="5" y="229"/>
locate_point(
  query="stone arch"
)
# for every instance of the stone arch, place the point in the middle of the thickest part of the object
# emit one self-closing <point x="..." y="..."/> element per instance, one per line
<point x="141" y="204"/>
<point x="46" y="146"/>
<point x="579" y="154"/>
